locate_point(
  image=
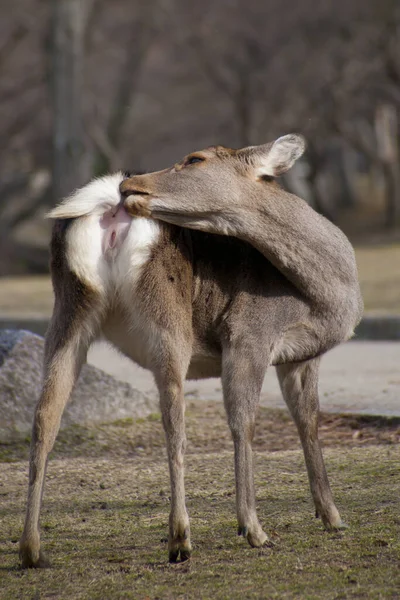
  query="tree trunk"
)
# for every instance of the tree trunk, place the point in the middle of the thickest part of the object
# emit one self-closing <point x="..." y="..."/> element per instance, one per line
<point x="386" y="126"/>
<point x="243" y="110"/>
<point x="71" y="166"/>
<point x="391" y="172"/>
<point x="317" y="201"/>
<point x="348" y="197"/>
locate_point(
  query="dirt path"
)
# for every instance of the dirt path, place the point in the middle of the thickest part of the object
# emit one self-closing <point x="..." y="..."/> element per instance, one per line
<point x="357" y="377"/>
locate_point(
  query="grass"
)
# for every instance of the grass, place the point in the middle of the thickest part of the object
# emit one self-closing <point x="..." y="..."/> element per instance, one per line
<point x="379" y="272"/>
<point x="106" y="504"/>
<point x="24" y="296"/>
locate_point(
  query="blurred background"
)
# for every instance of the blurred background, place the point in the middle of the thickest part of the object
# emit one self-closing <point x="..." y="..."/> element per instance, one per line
<point x="91" y="86"/>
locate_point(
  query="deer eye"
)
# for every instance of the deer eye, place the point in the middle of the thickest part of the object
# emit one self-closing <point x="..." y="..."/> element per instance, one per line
<point x="193" y="159"/>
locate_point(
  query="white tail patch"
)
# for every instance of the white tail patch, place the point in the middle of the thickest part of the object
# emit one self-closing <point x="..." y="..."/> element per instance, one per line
<point x="106" y="247"/>
<point x="96" y="197"/>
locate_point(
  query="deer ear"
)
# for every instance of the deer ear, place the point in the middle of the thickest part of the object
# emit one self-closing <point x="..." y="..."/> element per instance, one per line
<point x="278" y="157"/>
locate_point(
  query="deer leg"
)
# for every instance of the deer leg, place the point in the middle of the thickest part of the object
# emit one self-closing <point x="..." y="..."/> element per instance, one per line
<point x="299" y="385"/>
<point x="63" y="360"/>
<point x="242" y="378"/>
<point x="173" y="417"/>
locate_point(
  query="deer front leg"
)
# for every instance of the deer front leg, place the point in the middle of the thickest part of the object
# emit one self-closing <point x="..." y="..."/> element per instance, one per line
<point x="173" y="417"/>
<point x="299" y="385"/>
<point x="242" y="380"/>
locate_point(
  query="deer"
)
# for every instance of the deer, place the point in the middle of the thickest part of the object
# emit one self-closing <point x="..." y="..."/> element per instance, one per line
<point x="205" y="269"/>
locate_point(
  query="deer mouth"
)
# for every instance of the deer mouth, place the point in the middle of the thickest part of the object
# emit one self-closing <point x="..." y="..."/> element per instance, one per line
<point x="130" y="187"/>
<point x="135" y="193"/>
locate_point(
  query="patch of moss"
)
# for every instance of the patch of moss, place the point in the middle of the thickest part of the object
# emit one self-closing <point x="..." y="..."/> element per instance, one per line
<point x="127" y="422"/>
<point x="154" y="417"/>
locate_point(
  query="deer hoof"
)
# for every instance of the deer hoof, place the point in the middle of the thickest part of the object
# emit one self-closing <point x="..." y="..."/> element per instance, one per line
<point x="28" y="561"/>
<point x="183" y="553"/>
<point x="256" y="538"/>
<point x="337" y="526"/>
<point x="332" y="520"/>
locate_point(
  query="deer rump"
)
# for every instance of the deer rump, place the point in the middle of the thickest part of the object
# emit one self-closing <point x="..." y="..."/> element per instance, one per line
<point x="153" y="279"/>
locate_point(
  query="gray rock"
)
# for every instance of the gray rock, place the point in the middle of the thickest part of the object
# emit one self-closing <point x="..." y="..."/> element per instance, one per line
<point x="97" y="397"/>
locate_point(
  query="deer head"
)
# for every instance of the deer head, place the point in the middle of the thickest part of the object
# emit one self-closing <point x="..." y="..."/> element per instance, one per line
<point x="217" y="175"/>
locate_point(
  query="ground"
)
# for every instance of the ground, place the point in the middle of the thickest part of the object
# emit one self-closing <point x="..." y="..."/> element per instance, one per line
<point x="106" y="504"/>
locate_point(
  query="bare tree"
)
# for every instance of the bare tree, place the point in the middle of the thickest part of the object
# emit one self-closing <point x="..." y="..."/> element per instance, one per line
<point x="144" y="28"/>
<point x="135" y="83"/>
<point x="71" y="162"/>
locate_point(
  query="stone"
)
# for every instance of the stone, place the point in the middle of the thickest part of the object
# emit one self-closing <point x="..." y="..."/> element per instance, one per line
<point x="97" y="396"/>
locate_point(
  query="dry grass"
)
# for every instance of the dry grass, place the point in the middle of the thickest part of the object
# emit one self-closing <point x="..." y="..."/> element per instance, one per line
<point x="379" y="271"/>
<point x="207" y="431"/>
<point x="104" y="521"/>
<point x="29" y="296"/>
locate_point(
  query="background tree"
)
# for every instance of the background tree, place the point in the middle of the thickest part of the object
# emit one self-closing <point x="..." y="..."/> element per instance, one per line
<point x="90" y="86"/>
<point x="71" y="159"/>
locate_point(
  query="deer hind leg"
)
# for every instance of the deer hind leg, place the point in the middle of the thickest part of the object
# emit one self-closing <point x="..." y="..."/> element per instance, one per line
<point x="65" y="353"/>
<point x="299" y="385"/>
<point x="242" y="378"/>
<point x="170" y="382"/>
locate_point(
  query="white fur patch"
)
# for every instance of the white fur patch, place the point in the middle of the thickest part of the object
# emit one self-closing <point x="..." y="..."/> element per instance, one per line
<point x="105" y="268"/>
<point x="94" y="198"/>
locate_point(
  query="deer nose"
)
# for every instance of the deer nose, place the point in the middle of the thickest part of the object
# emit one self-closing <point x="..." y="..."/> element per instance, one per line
<point x="129" y="187"/>
<point x="126" y="187"/>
